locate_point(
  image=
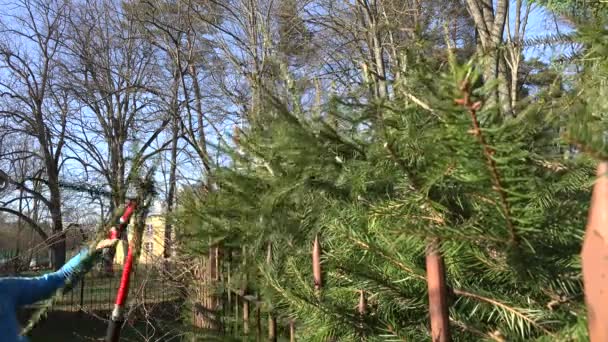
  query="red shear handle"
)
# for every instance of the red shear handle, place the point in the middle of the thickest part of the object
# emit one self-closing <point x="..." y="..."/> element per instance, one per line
<point x="123" y="221"/>
<point x="126" y="216"/>
<point x="118" y="315"/>
<point x="123" y="290"/>
<point x="114" y="233"/>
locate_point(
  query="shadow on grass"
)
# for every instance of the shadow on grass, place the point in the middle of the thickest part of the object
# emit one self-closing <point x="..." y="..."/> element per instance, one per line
<point x="166" y="326"/>
<point x="62" y="326"/>
<point x="67" y="326"/>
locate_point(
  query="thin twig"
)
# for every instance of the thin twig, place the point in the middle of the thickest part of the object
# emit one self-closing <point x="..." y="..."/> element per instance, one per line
<point x="488" y="152"/>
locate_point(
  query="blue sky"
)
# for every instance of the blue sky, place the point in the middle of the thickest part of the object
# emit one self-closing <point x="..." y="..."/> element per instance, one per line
<point x="542" y="23"/>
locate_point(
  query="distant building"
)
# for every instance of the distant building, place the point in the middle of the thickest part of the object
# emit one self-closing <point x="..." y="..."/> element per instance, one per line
<point x="153" y="239"/>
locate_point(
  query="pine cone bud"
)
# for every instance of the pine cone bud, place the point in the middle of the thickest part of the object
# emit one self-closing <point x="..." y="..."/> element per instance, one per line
<point x="316" y="263"/>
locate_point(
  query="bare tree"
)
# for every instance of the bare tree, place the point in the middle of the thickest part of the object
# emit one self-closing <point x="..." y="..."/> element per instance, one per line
<point x="113" y="74"/>
<point x="35" y="104"/>
<point x="18" y="163"/>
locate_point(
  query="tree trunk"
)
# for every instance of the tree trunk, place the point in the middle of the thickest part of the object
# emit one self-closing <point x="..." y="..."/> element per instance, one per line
<point x="172" y="170"/>
<point x="58" y="246"/>
<point x="490" y="25"/>
<point x="19" y="231"/>
<point x="202" y="141"/>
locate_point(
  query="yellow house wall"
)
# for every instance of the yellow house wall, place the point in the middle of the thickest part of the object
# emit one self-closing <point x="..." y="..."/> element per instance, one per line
<point x="156" y="239"/>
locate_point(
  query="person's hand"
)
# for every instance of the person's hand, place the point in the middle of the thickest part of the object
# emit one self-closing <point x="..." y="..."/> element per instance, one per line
<point x="107" y="243"/>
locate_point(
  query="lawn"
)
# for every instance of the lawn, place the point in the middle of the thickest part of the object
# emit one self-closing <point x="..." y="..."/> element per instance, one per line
<point x="61" y="326"/>
<point x="91" y="326"/>
<point x="72" y="326"/>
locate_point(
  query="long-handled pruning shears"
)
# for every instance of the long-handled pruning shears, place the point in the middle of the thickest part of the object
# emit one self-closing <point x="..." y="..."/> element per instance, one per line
<point x="117" y="317"/>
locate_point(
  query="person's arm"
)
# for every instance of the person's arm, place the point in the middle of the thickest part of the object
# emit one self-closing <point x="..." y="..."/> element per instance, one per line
<point x="30" y="290"/>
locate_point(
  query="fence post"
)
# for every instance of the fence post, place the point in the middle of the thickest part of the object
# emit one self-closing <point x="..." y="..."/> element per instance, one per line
<point x="236" y="326"/>
<point x="258" y="317"/>
<point x="229" y="278"/>
<point x="272" y="328"/>
<point x="82" y="293"/>
<point x="243" y="293"/>
<point x="272" y="321"/>
<point x="245" y="316"/>
<point x="438" y="306"/>
<point x="292" y="331"/>
<point x="595" y="259"/>
<point x="72" y="300"/>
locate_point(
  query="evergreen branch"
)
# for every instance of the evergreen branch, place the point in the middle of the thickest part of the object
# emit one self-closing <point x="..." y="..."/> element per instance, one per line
<point x="477" y="332"/>
<point x="394" y="333"/>
<point x="388" y="210"/>
<point x="436" y="215"/>
<point x="550" y="40"/>
<point x="303" y="302"/>
<point x="503" y="306"/>
<point x="488" y="152"/>
<point x="383" y="254"/>
<point x="418" y="102"/>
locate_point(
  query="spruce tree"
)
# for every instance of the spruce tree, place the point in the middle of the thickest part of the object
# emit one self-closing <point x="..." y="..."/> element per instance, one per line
<point x="375" y="182"/>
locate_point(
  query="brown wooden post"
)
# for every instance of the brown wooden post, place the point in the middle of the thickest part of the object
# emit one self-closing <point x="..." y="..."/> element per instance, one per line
<point x="595" y="258"/>
<point x="243" y="293"/>
<point x="82" y="294"/>
<point x="272" y="328"/>
<point x="258" y="318"/>
<point x="245" y="316"/>
<point x="200" y="289"/>
<point x="229" y="279"/>
<point x="316" y="264"/>
<point x="218" y="263"/>
<point x="438" y="304"/>
<point x="237" y="316"/>
<point x="211" y="300"/>
<point x="205" y="308"/>
<point x="272" y="322"/>
<point x="212" y="264"/>
<point x="292" y="331"/>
